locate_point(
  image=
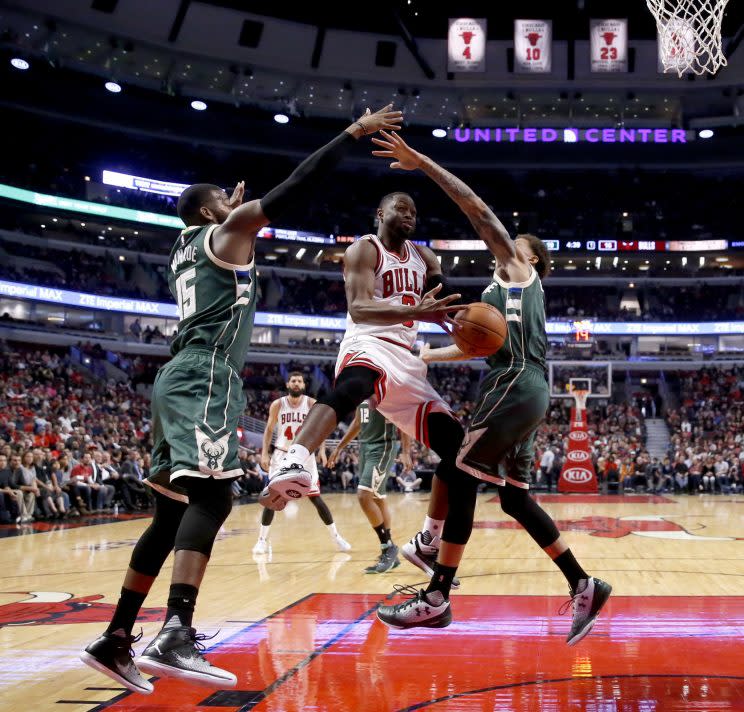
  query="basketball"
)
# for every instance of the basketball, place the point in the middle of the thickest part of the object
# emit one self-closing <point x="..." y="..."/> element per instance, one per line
<point x="479" y="330"/>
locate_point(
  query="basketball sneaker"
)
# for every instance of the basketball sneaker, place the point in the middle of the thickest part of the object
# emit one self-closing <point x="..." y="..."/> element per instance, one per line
<point x="388" y="560"/>
<point x="424" y="610"/>
<point x="112" y="655"/>
<point x="261" y="546"/>
<point x="341" y="543"/>
<point x="422" y="551"/>
<point x="587" y="600"/>
<point x="291" y="481"/>
<point x="272" y="501"/>
<point x="177" y="652"/>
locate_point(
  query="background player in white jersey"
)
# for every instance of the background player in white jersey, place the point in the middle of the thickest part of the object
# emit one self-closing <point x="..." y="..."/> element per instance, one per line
<point x="391" y="285"/>
<point x="287" y="414"/>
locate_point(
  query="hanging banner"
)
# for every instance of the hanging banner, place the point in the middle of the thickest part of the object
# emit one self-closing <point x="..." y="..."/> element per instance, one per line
<point x="533" y="46"/>
<point x="466" y="44"/>
<point x="609" y="45"/>
<point x="577" y="473"/>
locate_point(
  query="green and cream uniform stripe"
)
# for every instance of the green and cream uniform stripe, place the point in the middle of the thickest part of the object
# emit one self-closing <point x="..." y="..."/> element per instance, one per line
<point x="378" y="448"/>
<point x="525" y="347"/>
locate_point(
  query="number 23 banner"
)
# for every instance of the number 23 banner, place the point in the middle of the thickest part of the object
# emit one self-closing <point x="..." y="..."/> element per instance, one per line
<point x="533" y="46"/>
<point x="609" y="45"/>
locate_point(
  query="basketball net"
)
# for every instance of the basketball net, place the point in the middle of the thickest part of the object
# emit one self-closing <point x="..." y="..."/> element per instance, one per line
<point x="689" y="34"/>
<point x="580" y="396"/>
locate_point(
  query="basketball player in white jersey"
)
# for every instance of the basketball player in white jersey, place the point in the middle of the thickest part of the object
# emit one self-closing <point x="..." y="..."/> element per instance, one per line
<point x="287" y="414"/>
<point x="391" y="285"/>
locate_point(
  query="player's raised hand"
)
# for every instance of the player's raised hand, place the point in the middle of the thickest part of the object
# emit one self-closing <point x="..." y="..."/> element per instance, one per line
<point x="406" y="158"/>
<point x="384" y="118"/>
<point x="432" y="309"/>
<point x="236" y="198"/>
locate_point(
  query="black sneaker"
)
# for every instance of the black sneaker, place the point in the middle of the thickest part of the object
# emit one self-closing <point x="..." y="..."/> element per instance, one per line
<point x="388" y="560"/>
<point x="424" y="610"/>
<point x="112" y="655"/>
<point x="590" y="595"/>
<point x="176" y="652"/>
<point x="423" y="553"/>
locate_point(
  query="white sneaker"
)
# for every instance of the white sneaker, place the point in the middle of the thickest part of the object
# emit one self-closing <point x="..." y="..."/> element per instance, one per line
<point x="587" y="601"/>
<point x="341" y="543"/>
<point x="291" y="482"/>
<point x="272" y="501"/>
<point x="422" y="551"/>
<point x="261" y="546"/>
<point x="425" y="610"/>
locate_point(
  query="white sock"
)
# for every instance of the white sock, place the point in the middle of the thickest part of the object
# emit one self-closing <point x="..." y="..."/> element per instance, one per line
<point x="298" y="454"/>
<point x="332" y="529"/>
<point x="264" y="533"/>
<point x="433" y="526"/>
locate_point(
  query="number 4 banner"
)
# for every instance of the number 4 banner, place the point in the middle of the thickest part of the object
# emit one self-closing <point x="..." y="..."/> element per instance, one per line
<point x="609" y="45"/>
<point x="466" y="45"/>
<point x="533" y="46"/>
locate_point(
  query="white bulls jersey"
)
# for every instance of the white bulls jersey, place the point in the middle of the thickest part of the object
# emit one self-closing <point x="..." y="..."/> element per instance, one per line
<point x="289" y="421"/>
<point x="399" y="279"/>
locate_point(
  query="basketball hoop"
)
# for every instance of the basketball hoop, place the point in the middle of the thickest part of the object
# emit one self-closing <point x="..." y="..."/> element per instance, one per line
<point x="580" y="395"/>
<point x="689" y="34"/>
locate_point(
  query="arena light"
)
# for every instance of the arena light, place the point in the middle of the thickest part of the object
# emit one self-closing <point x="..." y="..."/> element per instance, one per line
<point x="300" y="253"/>
<point x="281" y="118"/>
<point x="198" y="105"/>
<point x="439" y="133"/>
<point x="705" y="133"/>
<point x="19" y="63"/>
<point x="113" y="87"/>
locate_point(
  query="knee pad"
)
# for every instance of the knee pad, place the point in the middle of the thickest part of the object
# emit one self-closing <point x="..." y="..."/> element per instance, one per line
<point x="459" y="523"/>
<point x="353" y="385"/>
<point x="157" y="541"/>
<point x="518" y="504"/>
<point x="513" y="500"/>
<point x="210" y="502"/>
<point x="446" y="435"/>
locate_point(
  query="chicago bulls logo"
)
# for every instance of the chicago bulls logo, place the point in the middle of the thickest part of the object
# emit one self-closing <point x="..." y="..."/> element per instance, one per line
<point x="608" y="37"/>
<point x="532" y="38"/>
<point x="52" y="607"/>
<point x="578" y="436"/>
<point x="577" y="474"/>
<point x="617" y="527"/>
<point x="578" y="455"/>
<point x="467" y="37"/>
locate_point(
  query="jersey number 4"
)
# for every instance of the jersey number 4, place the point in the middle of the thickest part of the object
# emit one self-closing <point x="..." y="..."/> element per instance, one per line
<point x="186" y="294"/>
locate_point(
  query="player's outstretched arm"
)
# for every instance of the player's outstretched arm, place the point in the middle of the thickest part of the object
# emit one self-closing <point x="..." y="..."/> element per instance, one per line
<point x="351" y="432"/>
<point x="233" y="241"/>
<point x="359" y="269"/>
<point x="482" y="218"/>
<point x="268" y="432"/>
<point x="446" y="353"/>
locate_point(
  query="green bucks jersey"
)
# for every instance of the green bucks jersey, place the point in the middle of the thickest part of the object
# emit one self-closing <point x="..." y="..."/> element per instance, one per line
<point x="216" y="300"/>
<point x="375" y="430"/>
<point x="523" y="306"/>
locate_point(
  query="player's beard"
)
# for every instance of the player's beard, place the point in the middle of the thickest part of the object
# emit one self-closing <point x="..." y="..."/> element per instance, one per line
<point x="296" y="392"/>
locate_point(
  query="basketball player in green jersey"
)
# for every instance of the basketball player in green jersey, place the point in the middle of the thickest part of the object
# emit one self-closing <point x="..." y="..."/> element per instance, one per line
<point x="512" y="402"/>
<point x="196" y="402"/>
<point x="378" y="448"/>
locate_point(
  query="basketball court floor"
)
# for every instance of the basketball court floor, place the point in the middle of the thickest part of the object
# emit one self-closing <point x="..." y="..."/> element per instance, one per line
<point x="298" y="627"/>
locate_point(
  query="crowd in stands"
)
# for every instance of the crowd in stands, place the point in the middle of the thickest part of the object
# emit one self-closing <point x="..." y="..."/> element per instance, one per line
<point x="73" y="444"/>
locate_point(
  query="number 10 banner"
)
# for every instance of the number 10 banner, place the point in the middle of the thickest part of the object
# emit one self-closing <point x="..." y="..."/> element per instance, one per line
<point x="533" y="46"/>
<point x="609" y="45"/>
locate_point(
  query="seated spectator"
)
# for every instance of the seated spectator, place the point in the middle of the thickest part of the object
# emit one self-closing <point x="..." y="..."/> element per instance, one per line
<point x="408" y="482"/>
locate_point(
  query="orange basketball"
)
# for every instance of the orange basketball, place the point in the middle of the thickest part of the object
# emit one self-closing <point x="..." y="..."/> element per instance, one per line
<point x="479" y="330"/>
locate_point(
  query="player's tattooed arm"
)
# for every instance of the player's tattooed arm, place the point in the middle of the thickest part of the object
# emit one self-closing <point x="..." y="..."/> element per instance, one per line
<point x="489" y="228"/>
<point x="349" y="435"/>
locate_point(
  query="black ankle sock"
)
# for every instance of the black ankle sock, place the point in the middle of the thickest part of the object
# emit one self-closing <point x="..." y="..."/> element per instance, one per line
<point x="571" y="569"/>
<point x="382" y="533"/>
<point x="181" y="602"/>
<point x="442" y="579"/>
<point x="388" y="536"/>
<point x="126" y="611"/>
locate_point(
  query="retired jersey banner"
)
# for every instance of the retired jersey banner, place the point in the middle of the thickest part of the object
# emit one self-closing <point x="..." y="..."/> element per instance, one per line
<point x="577" y="473"/>
<point x="609" y="45"/>
<point x="466" y="45"/>
<point x="533" y="42"/>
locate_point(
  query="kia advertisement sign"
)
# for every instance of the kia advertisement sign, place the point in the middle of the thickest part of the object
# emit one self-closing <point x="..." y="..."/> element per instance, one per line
<point x="577" y="474"/>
